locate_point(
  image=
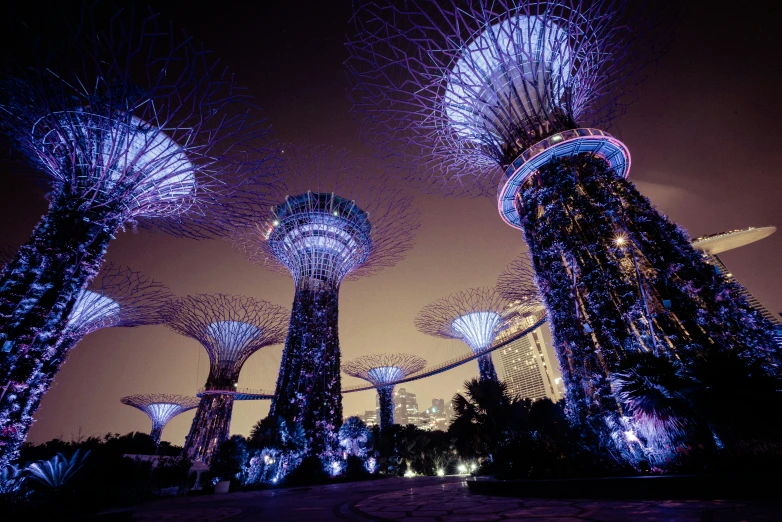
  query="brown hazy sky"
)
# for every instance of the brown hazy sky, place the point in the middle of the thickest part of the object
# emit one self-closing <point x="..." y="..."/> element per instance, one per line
<point x="705" y="141"/>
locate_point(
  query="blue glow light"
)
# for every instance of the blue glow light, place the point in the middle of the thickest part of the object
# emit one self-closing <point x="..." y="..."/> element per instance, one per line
<point x="515" y="70"/>
<point x="122" y="151"/>
<point x="232" y="338"/>
<point x="320" y="236"/>
<point x="90" y="307"/>
<point x="477" y="329"/>
<point x="385" y="374"/>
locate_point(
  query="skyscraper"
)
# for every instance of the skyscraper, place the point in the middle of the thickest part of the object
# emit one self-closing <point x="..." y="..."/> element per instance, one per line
<point x="527" y="364"/>
<point x="715" y="244"/>
<point x="405" y="408"/>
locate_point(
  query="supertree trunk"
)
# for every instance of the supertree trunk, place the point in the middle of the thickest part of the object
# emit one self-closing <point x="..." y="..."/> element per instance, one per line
<point x="385" y="396"/>
<point x="617" y="276"/>
<point x="156" y="433"/>
<point x="486" y="368"/>
<point x="19" y="412"/>
<point x="38" y="289"/>
<point x="211" y="427"/>
<point x="309" y="386"/>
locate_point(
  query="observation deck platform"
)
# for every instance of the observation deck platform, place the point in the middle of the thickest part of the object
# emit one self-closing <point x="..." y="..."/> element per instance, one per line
<point x="246" y="394"/>
<point x="562" y="144"/>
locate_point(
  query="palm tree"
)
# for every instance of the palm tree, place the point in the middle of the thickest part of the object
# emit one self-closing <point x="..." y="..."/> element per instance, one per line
<point x="484" y="417"/>
<point x="654" y="393"/>
<point x="353" y="436"/>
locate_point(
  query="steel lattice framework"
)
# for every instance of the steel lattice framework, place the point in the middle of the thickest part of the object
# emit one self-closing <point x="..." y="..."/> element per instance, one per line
<point x="128" y="122"/>
<point x="231" y="329"/>
<point x="118" y="297"/>
<point x="338" y="217"/>
<point x="138" y="123"/>
<point x="382" y="370"/>
<point x="517" y="282"/>
<point x="473" y="316"/>
<point x="161" y="408"/>
<point x="460" y="88"/>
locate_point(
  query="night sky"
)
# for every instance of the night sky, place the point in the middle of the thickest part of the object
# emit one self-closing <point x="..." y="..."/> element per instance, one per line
<point x="706" y="145"/>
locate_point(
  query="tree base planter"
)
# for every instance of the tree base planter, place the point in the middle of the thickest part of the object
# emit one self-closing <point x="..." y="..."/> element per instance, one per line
<point x="701" y="487"/>
<point x="222" y="486"/>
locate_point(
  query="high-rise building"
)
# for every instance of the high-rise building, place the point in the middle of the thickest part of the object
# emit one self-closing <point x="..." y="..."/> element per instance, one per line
<point x="527" y="364"/>
<point x="405" y="408"/>
<point x="369" y="417"/>
<point x="436" y="417"/>
<point x="715" y="244"/>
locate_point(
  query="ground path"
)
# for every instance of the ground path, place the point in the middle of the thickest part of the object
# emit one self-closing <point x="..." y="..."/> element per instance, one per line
<point x="432" y="499"/>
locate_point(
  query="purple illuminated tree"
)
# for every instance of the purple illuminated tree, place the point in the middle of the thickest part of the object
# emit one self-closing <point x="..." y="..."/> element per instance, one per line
<point x="337" y="217"/>
<point x="383" y="371"/>
<point x="231" y="329"/>
<point x="473" y="316"/>
<point x="128" y="123"/>
<point x="161" y="408"/>
<point x="118" y="297"/>
<point x="517" y="282"/>
<point x="466" y="91"/>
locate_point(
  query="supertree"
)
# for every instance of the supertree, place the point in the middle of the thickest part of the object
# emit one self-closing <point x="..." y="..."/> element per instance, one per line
<point x="128" y="122"/>
<point x="480" y="87"/>
<point x="161" y="408"/>
<point x="517" y="282"/>
<point x="473" y="316"/>
<point x="117" y="297"/>
<point x="383" y="370"/>
<point x="231" y="329"/>
<point x="338" y="217"/>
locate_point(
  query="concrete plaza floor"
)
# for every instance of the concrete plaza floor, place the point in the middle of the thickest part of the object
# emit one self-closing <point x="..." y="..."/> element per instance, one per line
<point x="430" y="499"/>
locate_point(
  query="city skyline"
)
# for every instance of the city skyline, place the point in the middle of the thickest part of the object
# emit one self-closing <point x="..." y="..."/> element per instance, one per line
<point x="452" y="236"/>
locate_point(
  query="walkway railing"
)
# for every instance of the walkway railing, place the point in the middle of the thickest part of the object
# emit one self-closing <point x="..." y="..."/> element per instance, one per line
<point x="247" y="394"/>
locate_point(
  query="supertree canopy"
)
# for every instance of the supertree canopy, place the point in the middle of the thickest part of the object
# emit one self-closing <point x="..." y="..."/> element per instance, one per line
<point x="117" y="297"/>
<point x="523" y="87"/>
<point x="231" y="329"/>
<point x="338" y="217"/>
<point x="161" y="408"/>
<point x="473" y="316"/>
<point x="127" y="122"/>
<point x="517" y="282"/>
<point x="383" y="370"/>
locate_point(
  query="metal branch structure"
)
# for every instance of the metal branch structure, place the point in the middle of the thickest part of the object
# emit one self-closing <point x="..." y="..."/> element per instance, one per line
<point x="461" y="91"/>
<point x="128" y="122"/>
<point x="382" y="371"/>
<point x="118" y="297"/>
<point x="231" y="329"/>
<point x="517" y="282"/>
<point x="161" y="408"/>
<point x="473" y="316"/>
<point x="338" y="217"/>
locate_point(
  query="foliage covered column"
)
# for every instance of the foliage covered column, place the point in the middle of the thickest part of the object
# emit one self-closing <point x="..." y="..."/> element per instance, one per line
<point x="309" y="386"/>
<point x="618" y="277"/>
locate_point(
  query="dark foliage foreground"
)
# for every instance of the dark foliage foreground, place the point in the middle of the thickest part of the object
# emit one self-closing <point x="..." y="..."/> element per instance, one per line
<point x="60" y="479"/>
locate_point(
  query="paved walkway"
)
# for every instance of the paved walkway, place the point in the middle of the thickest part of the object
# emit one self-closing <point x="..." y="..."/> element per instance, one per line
<point x="430" y="499"/>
